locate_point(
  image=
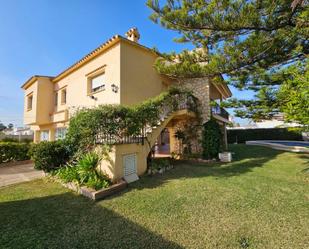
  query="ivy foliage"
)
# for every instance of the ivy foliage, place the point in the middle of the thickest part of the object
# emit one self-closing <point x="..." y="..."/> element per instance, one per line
<point x="120" y="121"/>
<point x="211" y="139"/>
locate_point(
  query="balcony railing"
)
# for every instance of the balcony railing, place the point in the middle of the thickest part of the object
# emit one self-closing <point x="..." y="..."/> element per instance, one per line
<point x="181" y="102"/>
<point x="217" y="110"/>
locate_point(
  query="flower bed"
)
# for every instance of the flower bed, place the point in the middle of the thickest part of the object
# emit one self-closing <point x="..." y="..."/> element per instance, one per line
<point x="97" y="194"/>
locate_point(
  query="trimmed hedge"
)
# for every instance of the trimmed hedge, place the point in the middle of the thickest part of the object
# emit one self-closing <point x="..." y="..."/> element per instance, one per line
<point x="48" y="156"/>
<point x="12" y="151"/>
<point x="241" y="135"/>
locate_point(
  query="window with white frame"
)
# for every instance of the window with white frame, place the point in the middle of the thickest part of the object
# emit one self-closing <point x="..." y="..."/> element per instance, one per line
<point x="44" y="135"/>
<point x="60" y="133"/>
<point x="98" y="83"/>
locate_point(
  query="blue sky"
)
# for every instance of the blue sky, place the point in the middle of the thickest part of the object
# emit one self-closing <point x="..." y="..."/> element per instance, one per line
<point x="44" y="37"/>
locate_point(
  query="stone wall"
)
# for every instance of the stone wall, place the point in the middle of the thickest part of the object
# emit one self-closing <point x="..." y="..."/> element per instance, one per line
<point x="200" y="88"/>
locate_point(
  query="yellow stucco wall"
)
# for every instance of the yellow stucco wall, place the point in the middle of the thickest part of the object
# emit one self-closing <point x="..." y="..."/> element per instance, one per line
<point x="30" y="115"/>
<point x="126" y="65"/>
<point x="42" y="103"/>
<point x="139" y="80"/>
<point x="76" y="83"/>
<point x="113" y="165"/>
<point x="44" y="115"/>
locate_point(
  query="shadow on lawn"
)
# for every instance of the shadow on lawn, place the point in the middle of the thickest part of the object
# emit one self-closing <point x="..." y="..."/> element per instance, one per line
<point x="70" y="221"/>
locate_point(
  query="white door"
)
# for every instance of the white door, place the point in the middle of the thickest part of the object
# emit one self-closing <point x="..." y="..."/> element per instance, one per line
<point x="130" y="168"/>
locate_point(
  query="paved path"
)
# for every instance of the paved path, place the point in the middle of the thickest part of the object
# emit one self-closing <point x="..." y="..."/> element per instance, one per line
<point x="18" y="173"/>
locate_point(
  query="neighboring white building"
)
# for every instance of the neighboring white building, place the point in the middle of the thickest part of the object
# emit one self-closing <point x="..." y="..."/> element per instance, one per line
<point x="16" y="131"/>
<point x="276" y="122"/>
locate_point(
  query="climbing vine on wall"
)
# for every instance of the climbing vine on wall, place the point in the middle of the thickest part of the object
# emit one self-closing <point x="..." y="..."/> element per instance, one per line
<point x="211" y="139"/>
<point x="118" y="121"/>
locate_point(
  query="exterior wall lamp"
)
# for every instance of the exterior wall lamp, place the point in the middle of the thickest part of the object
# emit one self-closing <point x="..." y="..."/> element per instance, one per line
<point x="115" y="88"/>
<point x="92" y="97"/>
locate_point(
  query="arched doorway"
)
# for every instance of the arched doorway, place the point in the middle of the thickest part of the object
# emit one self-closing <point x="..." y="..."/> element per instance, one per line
<point x="162" y="145"/>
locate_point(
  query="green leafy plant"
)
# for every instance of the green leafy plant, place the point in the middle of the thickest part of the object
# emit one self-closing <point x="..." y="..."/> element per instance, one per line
<point x="87" y="167"/>
<point x="48" y="156"/>
<point x="14" y="151"/>
<point x="68" y="173"/>
<point x="211" y="139"/>
<point x="112" y="122"/>
<point x="85" y="172"/>
<point x="160" y="163"/>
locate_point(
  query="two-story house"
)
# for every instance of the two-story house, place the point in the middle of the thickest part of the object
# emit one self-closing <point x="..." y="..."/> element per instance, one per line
<point x="120" y="71"/>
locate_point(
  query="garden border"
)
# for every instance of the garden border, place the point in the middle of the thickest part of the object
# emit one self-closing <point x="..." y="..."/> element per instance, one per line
<point x="97" y="194"/>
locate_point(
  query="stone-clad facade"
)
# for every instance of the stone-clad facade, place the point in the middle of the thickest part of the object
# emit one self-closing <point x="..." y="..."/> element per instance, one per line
<point x="200" y="88"/>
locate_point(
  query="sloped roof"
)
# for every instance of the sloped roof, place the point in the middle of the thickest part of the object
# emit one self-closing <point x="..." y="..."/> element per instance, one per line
<point x="99" y="50"/>
<point x="94" y="53"/>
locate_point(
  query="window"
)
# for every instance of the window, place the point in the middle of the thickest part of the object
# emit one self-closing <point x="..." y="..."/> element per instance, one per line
<point x="44" y="136"/>
<point x="29" y="102"/>
<point x="60" y="133"/>
<point x="56" y="98"/>
<point x="98" y="83"/>
<point x="63" y="96"/>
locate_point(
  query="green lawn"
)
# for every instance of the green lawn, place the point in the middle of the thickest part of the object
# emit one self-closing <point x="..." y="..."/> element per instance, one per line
<point x="261" y="200"/>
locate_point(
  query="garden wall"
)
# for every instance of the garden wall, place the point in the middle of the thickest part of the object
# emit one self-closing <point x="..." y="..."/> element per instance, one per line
<point x="243" y="135"/>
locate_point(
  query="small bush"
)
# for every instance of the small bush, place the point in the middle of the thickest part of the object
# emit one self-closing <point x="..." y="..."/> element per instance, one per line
<point x="12" y="151"/>
<point x="85" y="172"/>
<point x="9" y="139"/>
<point x="15" y="140"/>
<point x="48" y="156"/>
<point x="160" y="163"/>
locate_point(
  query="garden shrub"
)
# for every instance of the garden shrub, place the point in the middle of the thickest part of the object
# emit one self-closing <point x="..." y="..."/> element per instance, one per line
<point x="241" y="135"/>
<point x="211" y="139"/>
<point x="51" y="155"/>
<point x="85" y="172"/>
<point x="15" y="140"/>
<point x="118" y="121"/>
<point x="160" y="163"/>
<point x="13" y="151"/>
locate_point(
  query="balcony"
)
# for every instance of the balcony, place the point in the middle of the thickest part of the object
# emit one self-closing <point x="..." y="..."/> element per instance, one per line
<point x="217" y="111"/>
<point x="60" y="116"/>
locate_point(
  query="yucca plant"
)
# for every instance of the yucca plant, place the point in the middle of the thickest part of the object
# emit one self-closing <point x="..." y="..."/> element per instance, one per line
<point x="87" y="167"/>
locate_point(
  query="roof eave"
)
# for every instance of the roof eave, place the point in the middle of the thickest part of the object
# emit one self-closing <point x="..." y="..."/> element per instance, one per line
<point x="32" y="79"/>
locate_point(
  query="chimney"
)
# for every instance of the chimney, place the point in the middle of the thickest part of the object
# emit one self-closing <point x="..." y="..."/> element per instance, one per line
<point x="133" y="35"/>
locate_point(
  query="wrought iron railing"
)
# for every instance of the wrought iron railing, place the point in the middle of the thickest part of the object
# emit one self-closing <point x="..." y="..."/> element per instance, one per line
<point x="218" y="110"/>
<point x="179" y="102"/>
